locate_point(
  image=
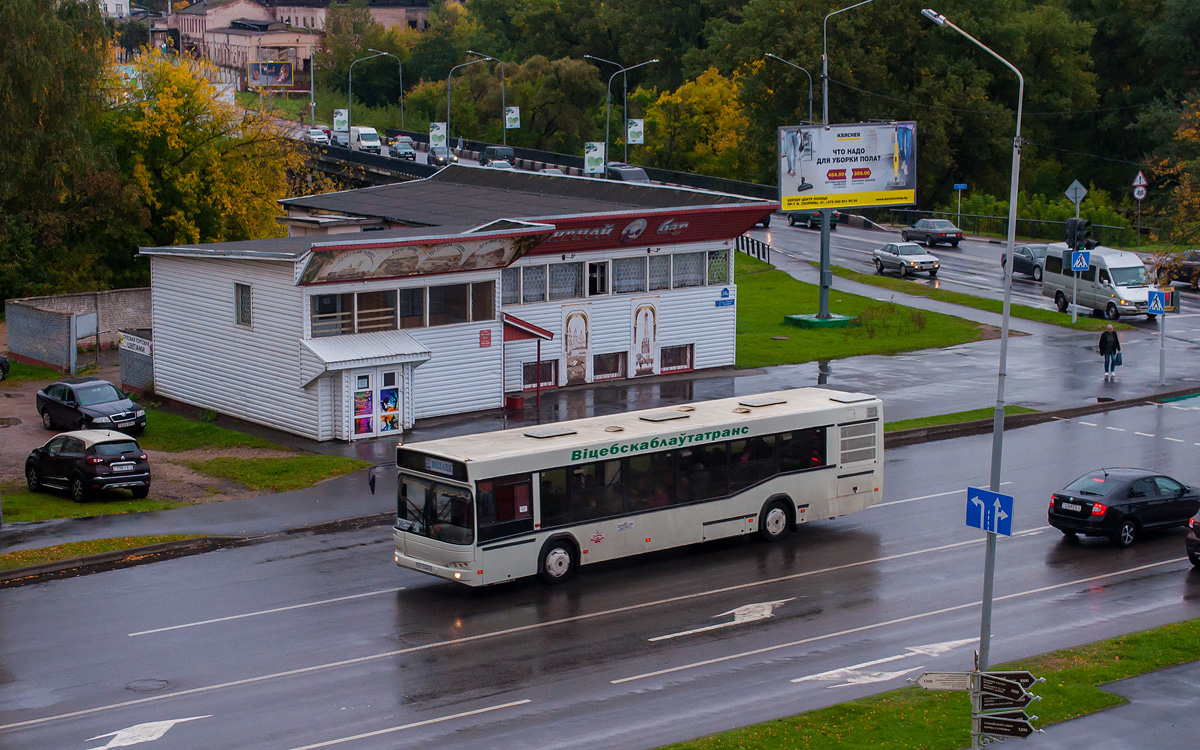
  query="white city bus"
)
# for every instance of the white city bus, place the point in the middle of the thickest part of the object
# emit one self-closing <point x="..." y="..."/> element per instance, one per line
<point x="493" y="507"/>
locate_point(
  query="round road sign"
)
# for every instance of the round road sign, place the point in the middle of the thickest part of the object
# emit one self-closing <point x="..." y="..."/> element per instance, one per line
<point x="1139" y="192"/>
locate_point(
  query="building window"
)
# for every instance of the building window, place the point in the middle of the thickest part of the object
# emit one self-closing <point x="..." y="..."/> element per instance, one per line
<point x="566" y="280"/>
<point x="676" y="358"/>
<point x="483" y="301"/>
<point x="510" y="286"/>
<point x="332" y="314"/>
<point x="412" y="308"/>
<point x="687" y="270"/>
<point x="608" y="366"/>
<point x="375" y="311"/>
<point x="548" y="370"/>
<point x="718" y="267"/>
<point x="597" y="278"/>
<point x="242" y="296"/>
<point x="533" y="284"/>
<point x="629" y="275"/>
<point x="449" y="304"/>
<point x="660" y="272"/>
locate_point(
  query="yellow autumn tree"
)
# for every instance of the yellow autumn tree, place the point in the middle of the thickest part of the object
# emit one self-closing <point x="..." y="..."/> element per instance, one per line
<point x="699" y="128"/>
<point x="1183" y="168"/>
<point x="207" y="170"/>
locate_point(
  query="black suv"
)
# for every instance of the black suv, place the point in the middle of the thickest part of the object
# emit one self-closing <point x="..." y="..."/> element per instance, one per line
<point x="497" y="153"/>
<point x="87" y="403"/>
<point x="89" y="461"/>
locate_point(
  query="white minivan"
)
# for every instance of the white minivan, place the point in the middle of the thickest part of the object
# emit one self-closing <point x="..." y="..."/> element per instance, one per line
<point x="1116" y="282"/>
<point x="365" y="139"/>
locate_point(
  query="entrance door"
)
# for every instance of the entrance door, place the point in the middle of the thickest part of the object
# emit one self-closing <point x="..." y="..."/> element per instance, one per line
<point x="377" y="402"/>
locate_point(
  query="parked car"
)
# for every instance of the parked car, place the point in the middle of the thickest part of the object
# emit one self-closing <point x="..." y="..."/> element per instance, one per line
<point x="440" y="156"/>
<point x="812" y="219"/>
<point x="626" y="173"/>
<point x="317" y="136"/>
<point x="88" y="403"/>
<point x="1027" y="259"/>
<point x="1186" y="267"/>
<point x="89" y="461"/>
<point x="499" y="164"/>
<point x="551" y="170"/>
<point x="933" y="232"/>
<point x="402" y="150"/>
<point x="1192" y="543"/>
<point x="906" y="258"/>
<point x="3" y="367"/>
<point x="497" y="153"/>
<point x="1121" y="503"/>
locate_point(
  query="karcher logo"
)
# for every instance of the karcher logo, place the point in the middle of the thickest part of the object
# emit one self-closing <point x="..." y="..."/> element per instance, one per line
<point x="849" y="136"/>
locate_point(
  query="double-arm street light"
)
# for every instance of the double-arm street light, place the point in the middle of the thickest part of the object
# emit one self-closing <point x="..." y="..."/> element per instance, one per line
<point x="456" y="67"/>
<point x="623" y="72"/>
<point x="985" y="628"/>
<point x="400" y="67"/>
<point x="503" y="108"/>
<point x="805" y="72"/>
<point x="350" y="98"/>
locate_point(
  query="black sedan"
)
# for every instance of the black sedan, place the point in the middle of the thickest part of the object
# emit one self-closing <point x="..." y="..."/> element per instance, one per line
<point x="88" y="461"/>
<point x="1121" y="503"/>
<point x="440" y="156"/>
<point x="3" y="367"/>
<point x="87" y="403"/>
<point x="933" y="232"/>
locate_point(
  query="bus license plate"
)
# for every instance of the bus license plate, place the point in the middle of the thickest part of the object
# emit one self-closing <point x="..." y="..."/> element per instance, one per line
<point x="424" y="567"/>
<point x="1072" y="506"/>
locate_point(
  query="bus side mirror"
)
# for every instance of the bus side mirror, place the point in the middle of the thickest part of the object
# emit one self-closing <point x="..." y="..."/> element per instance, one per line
<point x="371" y="478"/>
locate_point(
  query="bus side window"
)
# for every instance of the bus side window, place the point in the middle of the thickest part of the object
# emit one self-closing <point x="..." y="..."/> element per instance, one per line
<point x="1088" y="275"/>
<point x="504" y="506"/>
<point x="751" y="461"/>
<point x="554" y="497"/>
<point x="596" y="490"/>
<point x="1053" y="263"/>
<point x="801" y="450"/>
<point x="703" y="472"/>
<point x="651" y="481"/>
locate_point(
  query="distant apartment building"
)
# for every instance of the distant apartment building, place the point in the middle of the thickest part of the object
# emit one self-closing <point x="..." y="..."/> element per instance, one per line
<point x="115" y="8"/>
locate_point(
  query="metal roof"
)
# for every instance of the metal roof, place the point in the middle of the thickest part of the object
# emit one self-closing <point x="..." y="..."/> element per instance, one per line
<point x="367" y="349"/>
<point x="479" y="195"/>
<point x="293" y="248"/>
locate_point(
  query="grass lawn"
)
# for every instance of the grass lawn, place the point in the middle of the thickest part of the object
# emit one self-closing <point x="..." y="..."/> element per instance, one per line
<point x="27" y="557"/>
<point x="279" y="474"/>
<point x="954" y="418"/>
<point x="1053" y="317"/>
<point x="914" y="718"/>
<point x="288" y="108"/>
<point x="766" y="295"/>
<point x="20" y="372"/>
<point x="173" y="433"/>
<point x="22" y="505"/>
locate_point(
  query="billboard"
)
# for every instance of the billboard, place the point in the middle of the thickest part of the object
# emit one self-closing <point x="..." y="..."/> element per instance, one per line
<point x="865" y="164"/>
<point x="268" y="74"/>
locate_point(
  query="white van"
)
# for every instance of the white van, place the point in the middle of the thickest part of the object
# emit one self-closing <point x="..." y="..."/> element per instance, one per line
<point x="1116" y="282"/>
<point x="365" y="139"/>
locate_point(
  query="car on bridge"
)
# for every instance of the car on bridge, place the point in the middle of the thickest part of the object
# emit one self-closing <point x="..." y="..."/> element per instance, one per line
<point x="1027" y="259"/>
<point x="622" y="172"/>
<point x="812" y="219"/>
<point x="440" y="156"/>
<point x="906" y="258"/>
<point x="402" y="150"/>
<point x="933" y="232"/>
<point x="317" y="136"/>
<point x="1121" y="503"/>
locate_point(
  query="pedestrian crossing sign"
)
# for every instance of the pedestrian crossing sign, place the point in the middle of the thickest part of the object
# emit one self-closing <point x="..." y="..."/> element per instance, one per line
<point x="1080" y="260"/>
<point x="1158" y="303"/>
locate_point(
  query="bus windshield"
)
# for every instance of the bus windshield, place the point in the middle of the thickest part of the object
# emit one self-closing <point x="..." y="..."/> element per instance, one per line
<point x="435" y="510"/>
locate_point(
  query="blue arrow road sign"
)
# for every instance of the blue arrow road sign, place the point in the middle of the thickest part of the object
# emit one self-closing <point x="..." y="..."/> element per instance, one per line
<point x="1158" y="302"/>
<point x="989" y="511"/>
<point x="961" y="186"/>
<point x="1080" y="260"/>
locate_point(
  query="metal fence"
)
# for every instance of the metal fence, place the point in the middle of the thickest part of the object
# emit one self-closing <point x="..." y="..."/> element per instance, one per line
<point x="1043" y="229"/>
<point x="754" y="248"/>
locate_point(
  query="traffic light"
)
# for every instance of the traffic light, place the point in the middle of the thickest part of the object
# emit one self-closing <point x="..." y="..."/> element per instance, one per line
<point x="1083" y="235"/>
<point x="1070" y="233"/>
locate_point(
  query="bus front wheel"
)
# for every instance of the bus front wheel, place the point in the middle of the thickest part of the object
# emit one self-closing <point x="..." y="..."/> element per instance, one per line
<point x="559" y="561"/>
<point x="774" y="521"/>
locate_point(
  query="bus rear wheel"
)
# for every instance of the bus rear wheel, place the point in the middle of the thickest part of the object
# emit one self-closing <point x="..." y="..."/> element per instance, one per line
<point x="774" y="521"/>
<point x="558" y="562"/>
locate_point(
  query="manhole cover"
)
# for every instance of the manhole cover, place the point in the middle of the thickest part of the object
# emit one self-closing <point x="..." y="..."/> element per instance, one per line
<point x="14" y="395"/>
<point x="147" y="686"/>
<point x="8" y="422"/>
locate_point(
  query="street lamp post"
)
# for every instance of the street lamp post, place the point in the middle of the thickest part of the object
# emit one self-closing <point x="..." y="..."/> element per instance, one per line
<point x="608" y="101"/>
<point x="400" y="66"/>
<point x="805" y="72"/>
<point x="456" y="67"/>
<point x="350" y="92"/>
<point x="989" y="564"/>
<point x="503" y="107"/>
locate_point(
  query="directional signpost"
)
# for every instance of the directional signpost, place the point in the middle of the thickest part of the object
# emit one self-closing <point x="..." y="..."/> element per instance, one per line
<point x="1001" y="688"/>
<point x="989" y="511"/>
<point x="960" y="186"/>
<point x="1139" y="193"/>
<point x="997" y="700"/>
<point x="1079" y="264"/>
<point x="945" y="681"/>
<point x="989" y="726"/>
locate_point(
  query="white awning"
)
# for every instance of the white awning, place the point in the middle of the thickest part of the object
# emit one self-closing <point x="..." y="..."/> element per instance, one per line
<point x="377" y="349"/>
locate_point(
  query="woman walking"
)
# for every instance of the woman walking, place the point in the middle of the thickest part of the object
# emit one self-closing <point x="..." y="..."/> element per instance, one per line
<point x="1110" y="347"/>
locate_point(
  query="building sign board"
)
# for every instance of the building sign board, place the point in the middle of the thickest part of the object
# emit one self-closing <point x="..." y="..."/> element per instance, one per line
<point x="651" y="229"/>
<point x="863" y="164"/>
<point x="268" y="74"/>
<point x="135" y="344"/>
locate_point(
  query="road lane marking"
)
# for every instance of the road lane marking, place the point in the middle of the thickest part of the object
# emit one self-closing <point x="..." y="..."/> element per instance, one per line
<point x="896" y="621"/>
<point x="414" y="725"/>
<point x="1143" y="434"/>
<point x="266" y="611"/>
<point x="1175" y="440"/>
<point x="496" y="633"/>
<point x="854" y="675"/>
<point x="1115" y="429"/>
<point x="1089" y="424"/>
<point x="741" y="616"/>
<point x="922" y="497"/>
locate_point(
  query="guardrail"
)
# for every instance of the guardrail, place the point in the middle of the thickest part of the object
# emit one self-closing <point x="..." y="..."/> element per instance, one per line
<point x="1033" y="228"/>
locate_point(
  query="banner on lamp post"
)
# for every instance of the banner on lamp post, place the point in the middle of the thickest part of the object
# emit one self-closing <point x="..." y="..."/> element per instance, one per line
<point x="437" y="134"/>
<point x="634" y="132"/>
<point x="593" y="157"/>
<point x="512" y="118"/>
<point x="341" y="119"/>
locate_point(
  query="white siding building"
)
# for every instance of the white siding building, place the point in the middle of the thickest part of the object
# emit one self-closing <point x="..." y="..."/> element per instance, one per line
<point x="346" y="335"/>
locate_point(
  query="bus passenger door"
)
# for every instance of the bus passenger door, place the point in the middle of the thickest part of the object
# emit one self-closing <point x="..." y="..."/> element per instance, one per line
<point x="507" y="546"/>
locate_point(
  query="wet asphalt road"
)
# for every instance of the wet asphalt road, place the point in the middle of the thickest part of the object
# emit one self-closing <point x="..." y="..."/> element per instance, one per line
<point x="972" y="268"/>
<point x="320" y="641"/>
